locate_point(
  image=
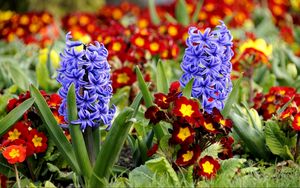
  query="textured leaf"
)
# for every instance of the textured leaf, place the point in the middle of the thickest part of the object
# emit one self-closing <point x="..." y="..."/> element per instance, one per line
<point x="19" y="77"/>
<point x="160" y="166"/>
<point x="14" y="115"/>
<point x="276" y="140"/>
<point x="213" y="150"/>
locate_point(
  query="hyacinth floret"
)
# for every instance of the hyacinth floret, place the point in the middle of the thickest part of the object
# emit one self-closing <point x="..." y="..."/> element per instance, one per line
<point x="89" y="71"/>
<point x="207" y="60"/>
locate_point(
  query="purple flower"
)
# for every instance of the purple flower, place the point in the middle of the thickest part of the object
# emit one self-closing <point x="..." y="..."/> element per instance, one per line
<point x="89" y="71"/>
<point x="207" y="60"/>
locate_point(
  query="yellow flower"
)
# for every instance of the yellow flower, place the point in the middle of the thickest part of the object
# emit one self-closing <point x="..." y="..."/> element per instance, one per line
<point x="259" y="45"/>
<point x="54" y="57"/>
<point x="5" y="15"/>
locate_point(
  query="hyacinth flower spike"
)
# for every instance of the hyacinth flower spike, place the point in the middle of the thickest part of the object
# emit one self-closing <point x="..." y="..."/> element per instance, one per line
<point x="207" y="60"/>
<point x="89" y="71"/>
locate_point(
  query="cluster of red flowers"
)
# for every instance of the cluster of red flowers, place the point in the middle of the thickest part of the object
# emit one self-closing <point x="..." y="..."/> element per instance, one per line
<point x="193" y="130"/>
<point x="26" y="136"/>
<point x="268" y="104"/>
<point x="31" y="27"/>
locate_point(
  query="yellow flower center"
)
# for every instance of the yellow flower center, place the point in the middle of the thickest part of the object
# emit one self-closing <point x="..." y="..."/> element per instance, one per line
<point x="215" y="20"/>
<point x="37" y="141"/>
<point x="154" y="46"/>
<point x="117" y="14"/>
<point x="222" y="122"/>
<point x="209" y="126"/>
<point x="184" y="133"/>
<point x="188" y="156"/>
<point x="122" y="78"/>
<point x="116" y="46"/>
<point x="208" y="167"/>
<point x="271" y="108"/>
<point x="143" y="23"/>
<point x="186" y="110"/>
<point x="14" y="153"/>
<point x="24" y="20"/>
<point x="271" y="98"/>
<point x="172" y="31"/>
<point x="14" y="135"/>
<point x="33" y="28"/>
<point x="139" y="41"/>
<point x="210" y="7"/>
<point x="259" y="45"/>
<point x="83" y="20"/>
<point x="298" y="121"/>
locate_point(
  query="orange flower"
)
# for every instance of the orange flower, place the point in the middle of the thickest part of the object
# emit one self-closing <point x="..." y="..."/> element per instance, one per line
<point x="123" y="77"/>
<point x="208" y="167"/>
<point x="18" y="131"/>
<point x="296" y="122"/>
<point x="161" y="100"/>
<point x="14" y="154"/>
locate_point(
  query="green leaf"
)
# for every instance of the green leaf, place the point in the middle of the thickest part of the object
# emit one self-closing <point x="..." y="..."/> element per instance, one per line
<point x="14" y="115"/>
<point x="153" y="14"/>
<point x="187" y="90"/>
<point x="161" y="79"/>
<point x="232" y="98"/>
<point x="227" y="171"/>
<point x="54" y="130"/>
<point x="276" y="140"/>
<point x="141" y="177"/>
<point x="18" y="76"/>
<point x="254" y="139"/>
<point x="181" y="12"/>
<point x="161" y="166"/>
<point x="197" y="11"/>
<point x="76" y="135"/>
<point x="144" y="88"/>
<point x="213" y="150"/>
<point x="282" y="109"/>
<point x="42" y="75"/>
<point x="111" y="148"/>
<point x="48" y="184"/>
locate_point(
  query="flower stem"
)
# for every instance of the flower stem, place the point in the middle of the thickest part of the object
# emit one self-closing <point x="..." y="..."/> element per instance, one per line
<point x="17" y="176"/>
<point x="88" y="138"/>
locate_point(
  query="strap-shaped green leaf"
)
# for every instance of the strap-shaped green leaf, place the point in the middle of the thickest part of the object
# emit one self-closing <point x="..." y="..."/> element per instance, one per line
<point x="13" y="116"/>
<point x="144" y="88"/>
<point x="232" y="98"/>
<point x="161" y="79"/>
<point x="153" y="14"/>
<point x="181" y="12"/>
<point x="76" y="135"/>
<point x="54" y="130"/>
<point x="197" y="11"/>
<point x="187" y="90"/>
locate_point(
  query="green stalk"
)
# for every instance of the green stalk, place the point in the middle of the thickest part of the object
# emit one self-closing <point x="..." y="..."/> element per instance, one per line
<point x="97" y="140"/>
<point x="17" y="176"/>
<point x="297" y="146"/>
<point x="76" y="135"/>
<point x="89" y="143"/>
<point x="158" y="131"/>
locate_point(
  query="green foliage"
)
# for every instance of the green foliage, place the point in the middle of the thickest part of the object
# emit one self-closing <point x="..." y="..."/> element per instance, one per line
<point x="14" y="115"/>
<point x="252" y="136"/>
<point x="277" y="142"/>
<point x="181" y="12"/>
<point x="153" y="14"/>
<point x="161" y="79"/>
<point x="232" y="98"/>
<point x="187" y="90"/>
<point x="213" y="150"/>
<point x="54" y="130"/>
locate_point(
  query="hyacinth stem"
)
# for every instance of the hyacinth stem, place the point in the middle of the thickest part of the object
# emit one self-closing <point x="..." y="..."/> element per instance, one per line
<point x="89" y="142"/>
<point x="17" y="176"/>
<point x="97" y="140"/>
<point x="76" y="135"/>
<point x="297" y="146"/>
